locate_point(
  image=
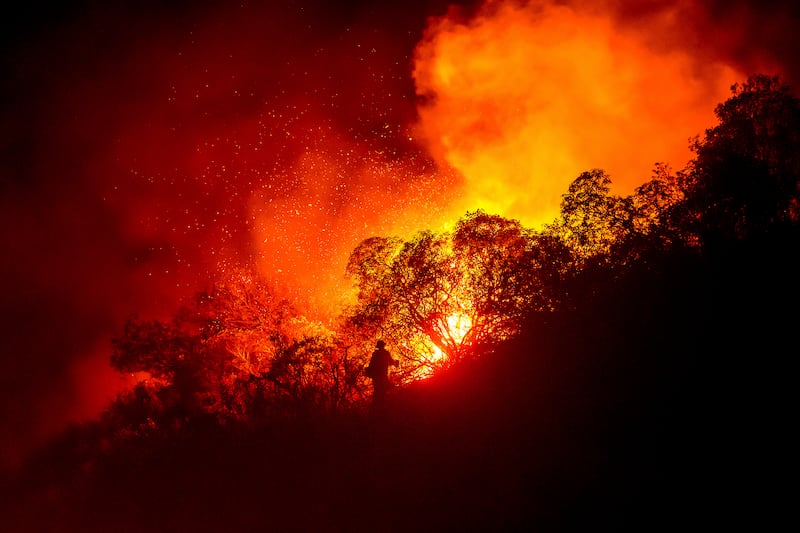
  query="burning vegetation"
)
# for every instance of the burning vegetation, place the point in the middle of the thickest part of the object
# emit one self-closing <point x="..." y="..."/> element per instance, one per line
<point x="557" y="328"/>
<point x="440" y="298"/>
<point x="482" y="320"/>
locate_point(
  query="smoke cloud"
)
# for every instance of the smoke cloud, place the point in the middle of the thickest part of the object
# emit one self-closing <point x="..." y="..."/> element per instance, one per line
<point x="524" y="97"/>
<point x="148" y="148"/>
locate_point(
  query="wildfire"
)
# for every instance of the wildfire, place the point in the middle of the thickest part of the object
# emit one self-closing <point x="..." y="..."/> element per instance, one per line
<point x="458" y="326"/>
<point x="525" y="96"/>
<point x="455" y="327"/>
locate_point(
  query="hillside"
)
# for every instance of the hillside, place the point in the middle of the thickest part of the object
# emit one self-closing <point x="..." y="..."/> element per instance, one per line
<point x="660" y="404"/>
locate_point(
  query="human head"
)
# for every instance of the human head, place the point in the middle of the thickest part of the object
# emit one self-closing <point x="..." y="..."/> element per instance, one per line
<point x="380" y="344"/>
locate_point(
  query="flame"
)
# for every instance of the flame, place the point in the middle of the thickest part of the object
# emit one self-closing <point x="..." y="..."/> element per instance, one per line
<point x="458" y="325"/>
<point x="456" y="328"/>
<point x="524" y="97"/>
<point x="251" y="133"/>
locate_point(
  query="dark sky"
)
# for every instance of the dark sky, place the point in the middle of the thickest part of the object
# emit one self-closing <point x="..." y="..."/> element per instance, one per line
<point x="148" y="146"/>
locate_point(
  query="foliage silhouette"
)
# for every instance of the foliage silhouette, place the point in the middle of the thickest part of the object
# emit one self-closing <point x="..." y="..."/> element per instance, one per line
<point x="626" y="368"/>
<point x="238" y="352"/>
<point x="744" y="178"/>
<point x="440" y="297"/>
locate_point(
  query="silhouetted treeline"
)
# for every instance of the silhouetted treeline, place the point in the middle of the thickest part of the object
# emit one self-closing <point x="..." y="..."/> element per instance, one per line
<point x="624" y="368"/>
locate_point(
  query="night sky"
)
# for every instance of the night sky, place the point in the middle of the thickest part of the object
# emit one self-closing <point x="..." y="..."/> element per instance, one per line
<point x="149" y="147"/>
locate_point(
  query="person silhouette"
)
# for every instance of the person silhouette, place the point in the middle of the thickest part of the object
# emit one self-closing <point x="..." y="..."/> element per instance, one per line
<point x="378" y="371"/>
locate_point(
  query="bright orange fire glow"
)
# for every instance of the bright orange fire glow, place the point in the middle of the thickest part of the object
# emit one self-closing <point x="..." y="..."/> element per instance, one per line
<point x="524" y="97"/>
<point x="277" y="137"/>
<point x="304" y="240"/>
<point x="457" y="326"/>
<point x="515" y="104"/>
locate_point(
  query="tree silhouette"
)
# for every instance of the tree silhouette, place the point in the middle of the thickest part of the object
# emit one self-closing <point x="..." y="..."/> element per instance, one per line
<point x="172" y="356"/>
<point x="407" y="293"/>
<point x="236" y="346"/>
<point x="442" y="297"/>
<point x="592" y="219"/>
<point x="510" y="270"/>
<point x="744" y="178"/>
<point x="638" y="350"/>
<point x="653" y="226"/>
<point x="439" y="297"/>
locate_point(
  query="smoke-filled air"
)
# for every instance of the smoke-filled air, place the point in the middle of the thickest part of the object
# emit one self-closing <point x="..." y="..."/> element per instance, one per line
<point x="522" y="97"/>
<point x="253" y="224"/>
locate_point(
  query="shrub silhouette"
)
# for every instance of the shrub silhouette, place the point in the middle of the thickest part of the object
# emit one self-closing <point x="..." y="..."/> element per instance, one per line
<point x="626" y="369"/>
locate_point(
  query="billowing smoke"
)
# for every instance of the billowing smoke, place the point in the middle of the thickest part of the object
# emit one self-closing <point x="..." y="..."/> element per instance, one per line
<point x="521" y="98"/>
<point x="149" y="148"/>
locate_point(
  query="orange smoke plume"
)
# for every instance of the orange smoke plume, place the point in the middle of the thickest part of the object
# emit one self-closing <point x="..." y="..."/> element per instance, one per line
<point x="344" y="193"/>
<point x="523" y="97"/>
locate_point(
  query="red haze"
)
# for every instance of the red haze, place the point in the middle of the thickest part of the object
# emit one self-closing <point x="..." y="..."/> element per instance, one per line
<point x="146" y="148"/>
